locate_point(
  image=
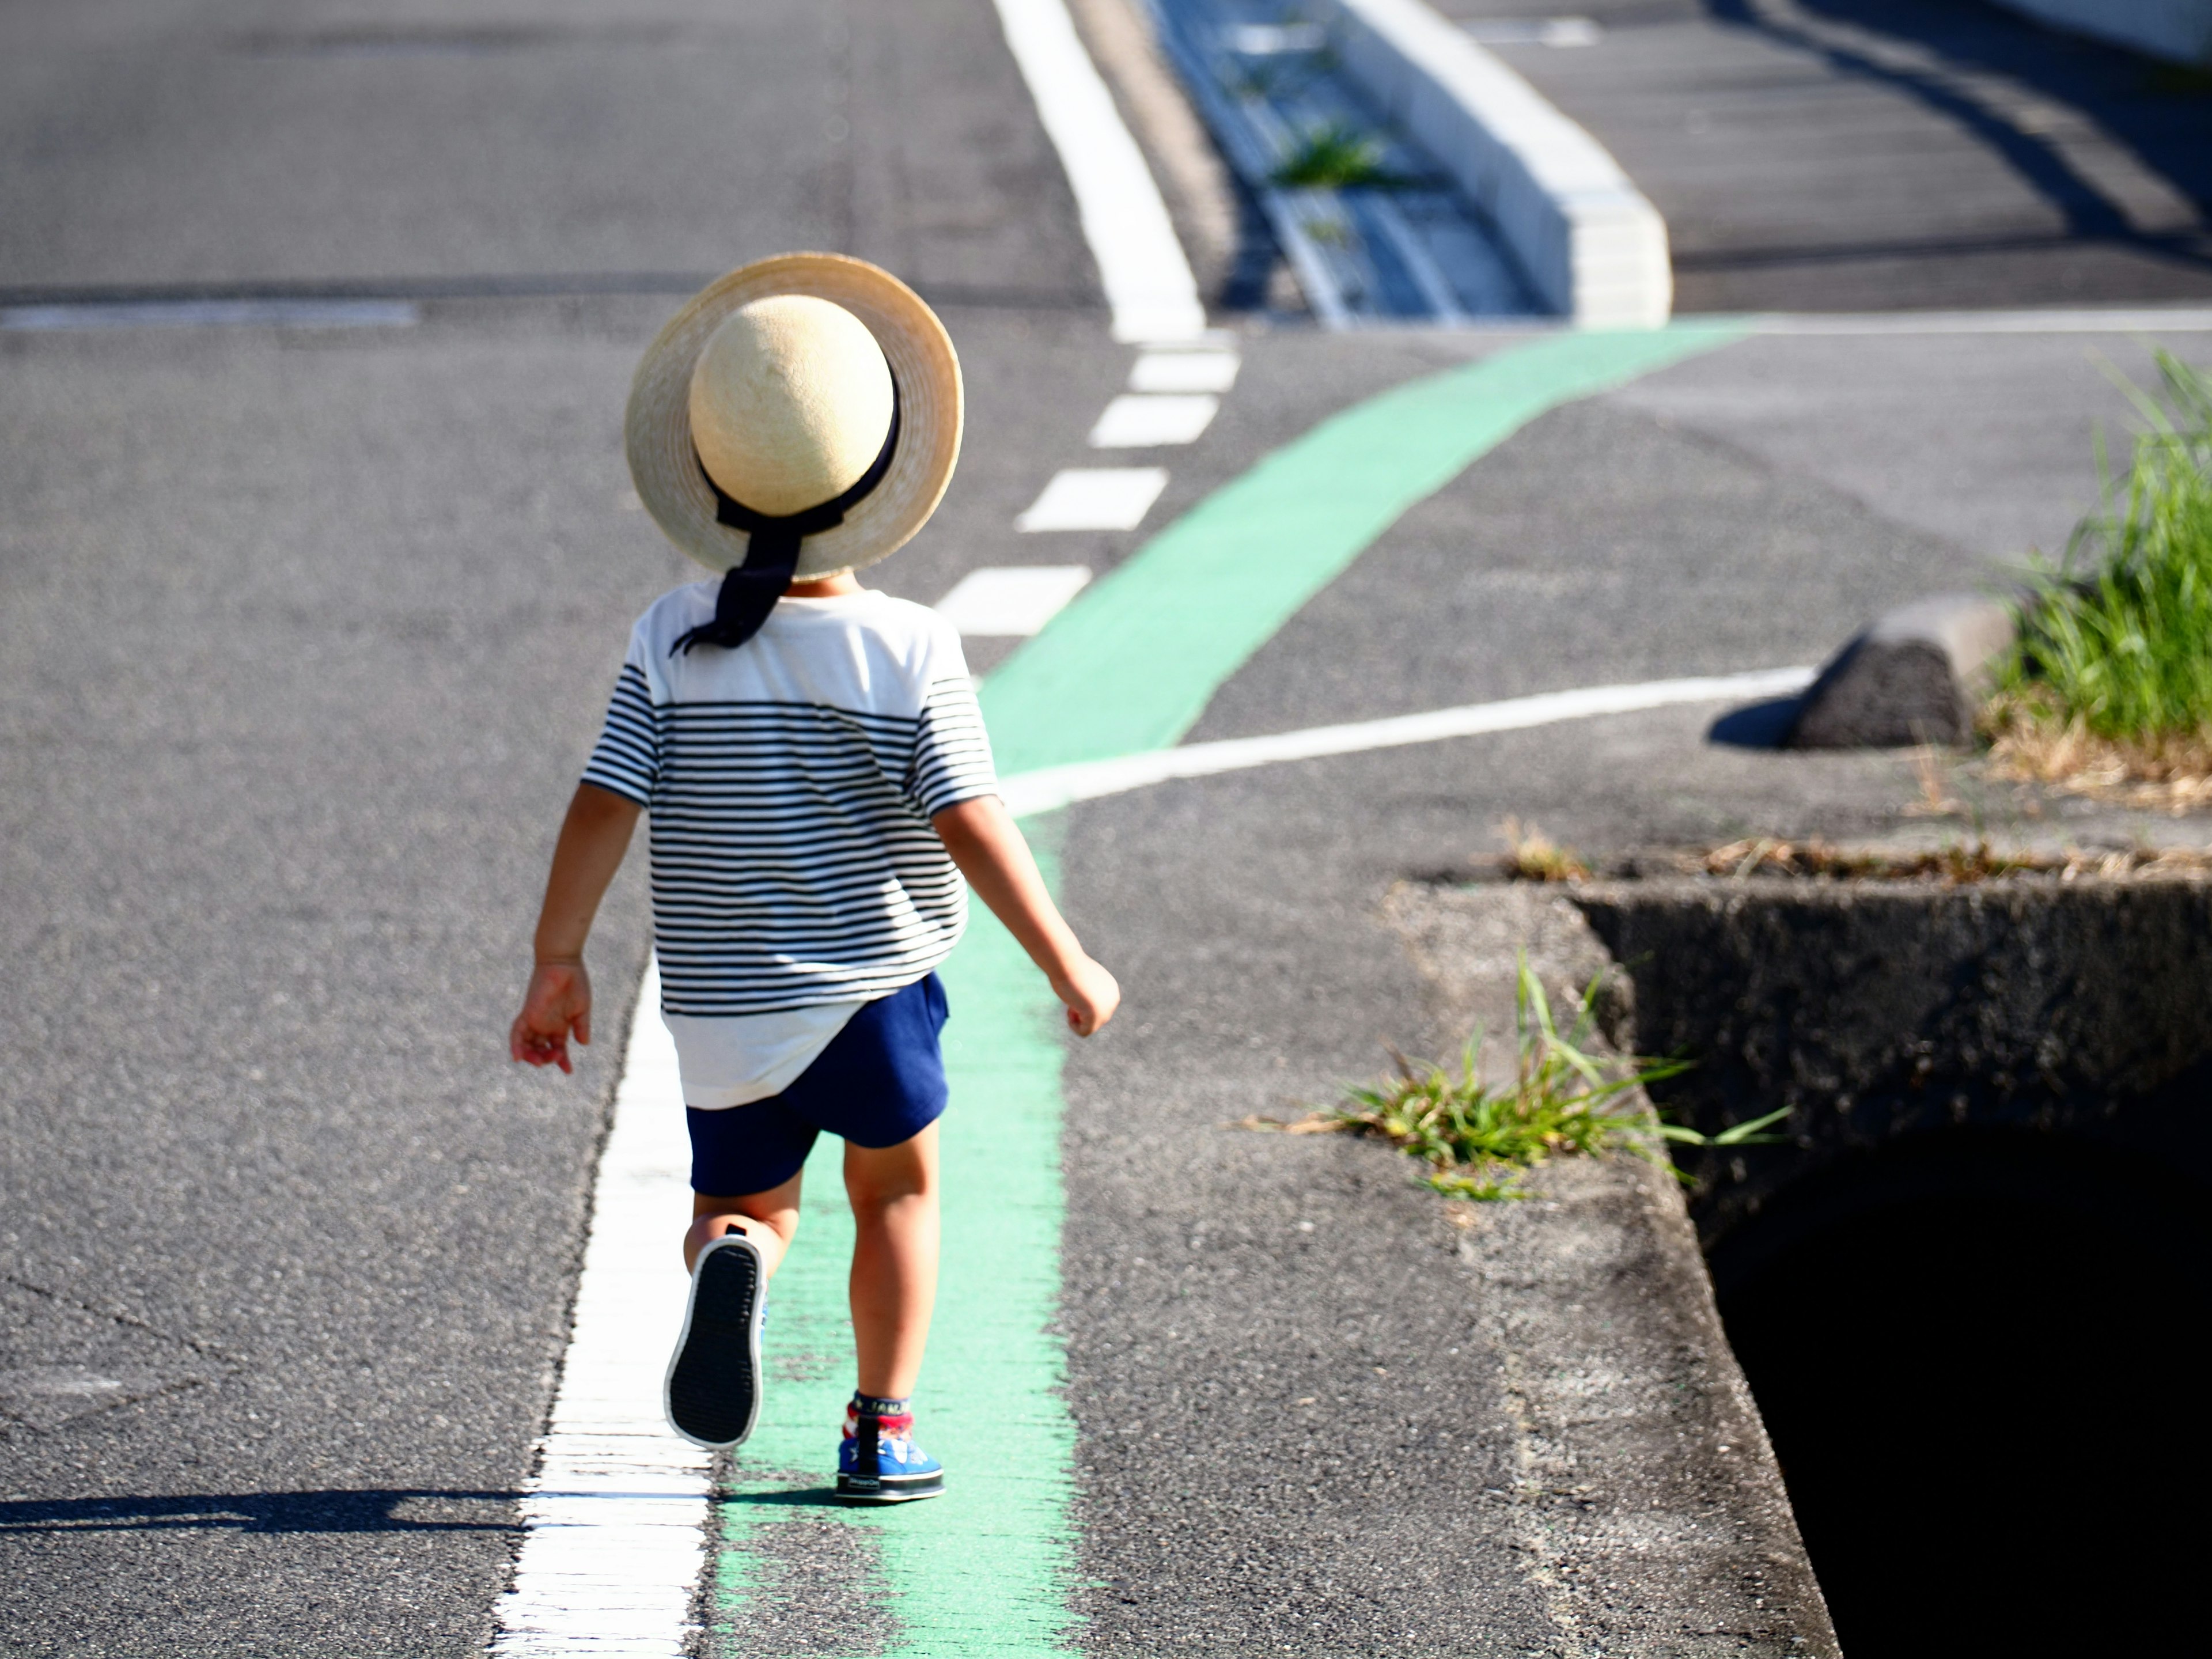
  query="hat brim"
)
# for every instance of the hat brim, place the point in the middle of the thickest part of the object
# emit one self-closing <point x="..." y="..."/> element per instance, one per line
<point x="657" y="431"/>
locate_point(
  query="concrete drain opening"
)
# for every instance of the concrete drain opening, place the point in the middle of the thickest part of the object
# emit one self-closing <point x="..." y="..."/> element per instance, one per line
<point x="1966" y="1291"/>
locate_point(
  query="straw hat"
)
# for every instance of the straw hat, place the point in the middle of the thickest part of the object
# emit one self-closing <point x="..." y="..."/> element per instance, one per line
<point x="774" y="392"/>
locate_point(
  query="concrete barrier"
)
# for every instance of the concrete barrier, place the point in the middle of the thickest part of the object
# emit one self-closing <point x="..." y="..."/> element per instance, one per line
<point x="1917" y="675"/>
<point x="1589" y="242"/>
<point x="2178" y="29"/>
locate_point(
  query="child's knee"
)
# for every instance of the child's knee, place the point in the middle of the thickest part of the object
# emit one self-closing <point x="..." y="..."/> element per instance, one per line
<point x="878" y="1182"/>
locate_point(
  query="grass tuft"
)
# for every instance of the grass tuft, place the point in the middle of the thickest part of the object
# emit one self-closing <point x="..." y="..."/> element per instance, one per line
<point x="1479" y="1139"/>
<point x="2110" y="687"/>
<point x="1334" y="156"/>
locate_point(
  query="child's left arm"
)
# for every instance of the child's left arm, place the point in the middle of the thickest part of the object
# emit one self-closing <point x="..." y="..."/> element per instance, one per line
<point x="982" y="836"/>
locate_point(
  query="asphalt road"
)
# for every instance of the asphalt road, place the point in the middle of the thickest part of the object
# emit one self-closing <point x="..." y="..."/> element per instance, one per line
<point x="304" y="636"/>
<point x="1887" y="154"/>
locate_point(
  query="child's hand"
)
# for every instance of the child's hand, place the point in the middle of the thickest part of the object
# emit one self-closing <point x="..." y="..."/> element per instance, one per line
<point x="1090" y="995"/>
<point x="559" y="1001"/>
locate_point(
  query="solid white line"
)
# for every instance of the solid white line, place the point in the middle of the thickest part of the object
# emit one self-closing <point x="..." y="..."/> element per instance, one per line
<point x="2134" y="319"/>
<point x="1140" y="263"/>
<point x="1041" y="791"/>
<point x="614" y="1522"/>
<point x="210" y="313"/>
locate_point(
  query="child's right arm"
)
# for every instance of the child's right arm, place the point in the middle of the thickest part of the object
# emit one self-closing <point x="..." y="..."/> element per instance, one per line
<point x="593" y="838"/>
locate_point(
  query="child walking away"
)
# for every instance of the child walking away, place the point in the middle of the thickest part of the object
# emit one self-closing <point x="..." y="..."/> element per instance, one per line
<point x="818" y="783"/>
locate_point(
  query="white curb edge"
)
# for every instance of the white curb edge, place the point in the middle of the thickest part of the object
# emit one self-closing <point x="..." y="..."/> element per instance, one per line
<point x="1589" y="241"/>
<point x="1141" y="265"/>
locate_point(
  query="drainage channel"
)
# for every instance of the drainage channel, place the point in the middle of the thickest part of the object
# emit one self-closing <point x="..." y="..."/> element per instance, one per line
<point x="1368" y="222"/>
<point x="1966" y="1287"/>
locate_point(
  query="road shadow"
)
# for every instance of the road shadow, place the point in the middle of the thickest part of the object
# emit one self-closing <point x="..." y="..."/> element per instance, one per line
<point x="2161" y="113"/>
<point x="361" y="1511"/>
<point x="1756" y="725"/>
<point x="786" y="1498"/>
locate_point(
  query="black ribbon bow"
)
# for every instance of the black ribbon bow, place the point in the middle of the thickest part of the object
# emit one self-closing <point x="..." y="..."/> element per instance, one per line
<point x="749" y="590"/>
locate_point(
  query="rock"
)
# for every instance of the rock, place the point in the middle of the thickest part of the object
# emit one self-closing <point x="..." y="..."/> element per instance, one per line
<point x="1914" y="677"/>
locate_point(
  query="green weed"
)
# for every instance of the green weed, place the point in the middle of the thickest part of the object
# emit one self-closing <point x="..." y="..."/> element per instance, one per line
<point x="1479" y="1138"/>
<point x="1335" y="156"/>
<point x="2112" y="674"/>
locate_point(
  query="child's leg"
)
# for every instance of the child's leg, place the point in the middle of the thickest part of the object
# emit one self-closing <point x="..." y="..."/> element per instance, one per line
<point x="767" y="1218"/>
<point x="893" y="1193"/>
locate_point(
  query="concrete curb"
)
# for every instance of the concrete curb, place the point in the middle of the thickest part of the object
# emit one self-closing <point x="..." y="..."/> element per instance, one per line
<point x="1587" y="240"/>
<point x="1914" y="677"/>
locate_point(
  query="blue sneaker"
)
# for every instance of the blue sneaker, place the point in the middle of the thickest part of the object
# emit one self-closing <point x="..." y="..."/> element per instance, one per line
<point x="878" y="1462"/>
<point x="712" y="1391"/>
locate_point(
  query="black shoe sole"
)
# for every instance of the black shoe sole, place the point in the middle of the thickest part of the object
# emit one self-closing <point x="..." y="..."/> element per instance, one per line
<point x="712" y="1391"/>
<point x="896" y="1490"/>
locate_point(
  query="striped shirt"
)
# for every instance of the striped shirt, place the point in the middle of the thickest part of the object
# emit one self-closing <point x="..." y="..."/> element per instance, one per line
<point x="791" y="782"/>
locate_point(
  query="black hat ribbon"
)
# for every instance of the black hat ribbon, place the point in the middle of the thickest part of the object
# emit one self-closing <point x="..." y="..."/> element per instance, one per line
<point x="749" y="590"/>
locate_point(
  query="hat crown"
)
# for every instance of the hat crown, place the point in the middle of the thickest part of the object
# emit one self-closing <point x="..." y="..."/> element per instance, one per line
<point x="790" y="401"/>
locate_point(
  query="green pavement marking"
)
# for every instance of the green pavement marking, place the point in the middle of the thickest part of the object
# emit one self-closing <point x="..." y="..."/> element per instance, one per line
<point x="985" y="1571"/>
<point x="1131" y="665"/>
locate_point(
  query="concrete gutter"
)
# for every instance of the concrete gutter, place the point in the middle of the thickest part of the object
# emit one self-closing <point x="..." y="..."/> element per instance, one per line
<point x="1590" y="244"/>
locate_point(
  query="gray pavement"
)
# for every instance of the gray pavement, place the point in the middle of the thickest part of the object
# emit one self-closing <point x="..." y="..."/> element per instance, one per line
<point x="304" y="635"/>
<point x="1885" y="154"/>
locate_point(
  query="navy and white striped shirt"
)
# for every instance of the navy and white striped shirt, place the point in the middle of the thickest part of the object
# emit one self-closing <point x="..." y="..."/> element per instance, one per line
<point x="791" y="782"/>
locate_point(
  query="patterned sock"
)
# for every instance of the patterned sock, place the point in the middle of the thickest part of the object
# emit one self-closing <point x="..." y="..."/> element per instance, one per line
<point x="894" y="1417"/>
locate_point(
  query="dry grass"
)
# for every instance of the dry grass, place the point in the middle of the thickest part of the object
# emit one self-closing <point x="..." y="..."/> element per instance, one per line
<point x="1531" y="855"/>
<point x="2030" y="742"/>
<point x="1957" y="863"/>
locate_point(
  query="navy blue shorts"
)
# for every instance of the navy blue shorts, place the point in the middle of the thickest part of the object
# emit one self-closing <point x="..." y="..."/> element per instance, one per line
<point x="879" y="1082"/>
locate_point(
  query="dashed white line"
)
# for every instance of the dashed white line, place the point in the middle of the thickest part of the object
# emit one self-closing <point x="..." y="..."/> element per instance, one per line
<point x="1142" y="421"/>
<point x="614" y="1536"/>
<point x="1183" y="371"/>
<point x="1011" y="601"/>
<point x="1140" y="263"/>
<point x="1041" y="791"/>
<point x="1096" y="498"/>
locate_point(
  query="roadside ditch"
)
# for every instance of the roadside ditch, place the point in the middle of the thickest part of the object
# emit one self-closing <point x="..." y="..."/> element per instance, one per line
<point x="1966" y="1283"/>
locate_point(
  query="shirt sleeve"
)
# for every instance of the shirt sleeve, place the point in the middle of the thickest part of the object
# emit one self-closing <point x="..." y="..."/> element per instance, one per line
<point x="627" y="762"/>
<point x="952" y="751"/>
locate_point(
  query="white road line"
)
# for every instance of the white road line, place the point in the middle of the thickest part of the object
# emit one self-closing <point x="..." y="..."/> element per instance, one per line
<point x="615" y="1521"/>
<point x="1140" y="421"/>
<point x="1096" y="498"/>
<point x="1140" y="263"/>
<point x="1011" y="601"/>
<point x="1183" y="371"/>
<point x="210" y="313"/>
<point x="1041" y="791"/>
<point x="2139" y="319"/>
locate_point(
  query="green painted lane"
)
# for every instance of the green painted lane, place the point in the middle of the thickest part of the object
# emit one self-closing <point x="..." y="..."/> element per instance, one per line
<point x="987" y="1569"/>
<point x="983" y="1570"/>
<point x="1132" y="665"/>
